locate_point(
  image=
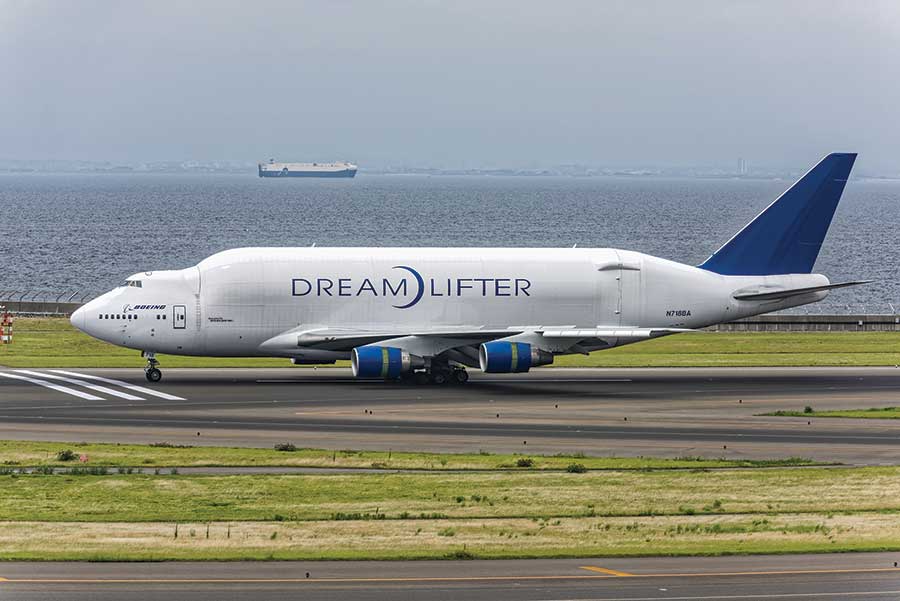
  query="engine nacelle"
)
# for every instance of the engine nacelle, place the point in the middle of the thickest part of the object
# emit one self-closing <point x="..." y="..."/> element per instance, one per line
<point x="504" y="357"/>
<point x="382" y="362"/>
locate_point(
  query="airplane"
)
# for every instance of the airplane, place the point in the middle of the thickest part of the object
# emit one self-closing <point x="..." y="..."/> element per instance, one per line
<point x="425" y="314"/>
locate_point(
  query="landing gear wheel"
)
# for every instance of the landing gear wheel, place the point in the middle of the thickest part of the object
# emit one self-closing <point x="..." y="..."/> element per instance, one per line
<point x="420" y="378"/>
<point x="151" y="372"/>
<point x="438" y="377"/>
<point x="460" y="376"/>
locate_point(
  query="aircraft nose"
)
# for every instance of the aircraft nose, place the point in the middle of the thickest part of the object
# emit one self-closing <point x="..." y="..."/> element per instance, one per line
<point x="77" y="318"/>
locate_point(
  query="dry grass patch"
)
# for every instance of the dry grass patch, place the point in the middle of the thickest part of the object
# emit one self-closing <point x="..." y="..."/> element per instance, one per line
<point x="670" y="535"/>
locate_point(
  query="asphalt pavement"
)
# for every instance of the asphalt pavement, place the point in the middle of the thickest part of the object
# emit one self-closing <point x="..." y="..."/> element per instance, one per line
<point x="660" y="412"/>
<point x="833" y="577"/>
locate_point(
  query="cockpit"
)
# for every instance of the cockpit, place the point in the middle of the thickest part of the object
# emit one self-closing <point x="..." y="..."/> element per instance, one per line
<point x="151" y="319"/>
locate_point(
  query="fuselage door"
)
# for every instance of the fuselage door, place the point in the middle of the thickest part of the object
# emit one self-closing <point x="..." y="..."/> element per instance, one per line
<point x="179" y="317"/>
<point x="609" y="289"/>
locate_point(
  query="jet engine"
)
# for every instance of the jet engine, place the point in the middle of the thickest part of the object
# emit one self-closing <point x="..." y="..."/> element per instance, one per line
<point x="504" y="357"/>
<point x="383" y="362"/>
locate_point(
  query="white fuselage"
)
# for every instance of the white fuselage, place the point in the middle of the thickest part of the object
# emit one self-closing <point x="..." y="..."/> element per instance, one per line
<point x="234" y="301"/>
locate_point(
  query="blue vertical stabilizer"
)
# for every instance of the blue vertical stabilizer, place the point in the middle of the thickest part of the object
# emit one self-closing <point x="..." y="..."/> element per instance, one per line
<point x="787" y="236"/>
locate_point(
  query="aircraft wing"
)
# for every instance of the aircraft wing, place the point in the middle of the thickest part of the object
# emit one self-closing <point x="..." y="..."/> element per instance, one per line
<point x="345" y="339"/>
<point x="614" y="333"/>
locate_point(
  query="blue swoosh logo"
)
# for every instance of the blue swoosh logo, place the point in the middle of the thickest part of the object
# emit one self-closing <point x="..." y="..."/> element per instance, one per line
<point x="419" y="292"/>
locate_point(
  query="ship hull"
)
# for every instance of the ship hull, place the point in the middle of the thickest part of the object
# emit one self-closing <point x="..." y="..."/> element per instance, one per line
<point x="345" y="173"/>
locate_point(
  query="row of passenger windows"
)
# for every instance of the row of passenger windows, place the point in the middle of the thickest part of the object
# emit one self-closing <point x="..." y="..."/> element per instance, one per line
<point x="126" y="316"/>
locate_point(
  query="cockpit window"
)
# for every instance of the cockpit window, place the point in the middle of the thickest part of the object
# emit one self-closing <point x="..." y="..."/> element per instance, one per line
<point x="133" y="283"/>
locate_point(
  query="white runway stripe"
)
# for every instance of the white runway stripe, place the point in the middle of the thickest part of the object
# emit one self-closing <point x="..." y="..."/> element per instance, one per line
<point x="57" y="387"/>
<point x="95" y="387"/>
<point x="141" y="389"/>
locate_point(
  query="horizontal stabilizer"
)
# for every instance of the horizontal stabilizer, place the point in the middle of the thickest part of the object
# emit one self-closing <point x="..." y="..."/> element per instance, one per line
<point x="780" y="294"/>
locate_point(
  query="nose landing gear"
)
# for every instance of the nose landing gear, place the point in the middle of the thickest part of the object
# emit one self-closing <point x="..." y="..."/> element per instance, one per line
<point x="151" y="372"/>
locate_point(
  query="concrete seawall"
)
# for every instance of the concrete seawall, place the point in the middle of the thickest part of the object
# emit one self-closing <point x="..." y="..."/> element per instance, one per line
<point x="812" y="323"/>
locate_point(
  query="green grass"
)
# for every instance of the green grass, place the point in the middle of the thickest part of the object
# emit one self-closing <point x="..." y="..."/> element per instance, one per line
<point x="874" y="413"/>
<point x="473" y="505"/>
<point x="391" y="496"/>
<point x="14" y="453"/>
<point x="435" y="515"/>
<point x="750" y="349"/>
<point x="55" y="343"/>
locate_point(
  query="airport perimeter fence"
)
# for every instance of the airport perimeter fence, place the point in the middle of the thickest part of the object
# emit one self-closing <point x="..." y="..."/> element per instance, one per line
<point x="858" y="318"/>
<point x="37" y="303"/>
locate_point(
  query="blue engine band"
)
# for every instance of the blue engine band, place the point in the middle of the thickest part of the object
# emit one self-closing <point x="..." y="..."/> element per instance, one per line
<point x="378" y="362"/>
<point x="507" y="357"/>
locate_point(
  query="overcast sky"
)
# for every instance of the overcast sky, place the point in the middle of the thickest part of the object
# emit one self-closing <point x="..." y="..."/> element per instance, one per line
<point x="455" y="83"/>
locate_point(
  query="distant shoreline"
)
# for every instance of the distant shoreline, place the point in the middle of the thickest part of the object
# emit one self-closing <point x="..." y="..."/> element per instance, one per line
<point x="449" y="173"/>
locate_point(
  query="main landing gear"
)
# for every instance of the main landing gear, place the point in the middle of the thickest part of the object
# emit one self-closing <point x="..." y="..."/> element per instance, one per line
<point x="440" y="375"/>
<point x="151" y="372"/>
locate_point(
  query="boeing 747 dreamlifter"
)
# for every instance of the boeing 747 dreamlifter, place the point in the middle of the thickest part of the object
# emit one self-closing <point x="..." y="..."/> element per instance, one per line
<point x="427" y="313"/>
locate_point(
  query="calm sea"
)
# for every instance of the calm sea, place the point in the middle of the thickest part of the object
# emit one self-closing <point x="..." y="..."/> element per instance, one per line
<point x="88" y="232"/>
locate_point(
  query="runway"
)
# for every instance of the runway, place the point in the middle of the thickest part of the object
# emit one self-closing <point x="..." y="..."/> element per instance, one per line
<point x="660" y="412"/>
<point x="837" y="577"/>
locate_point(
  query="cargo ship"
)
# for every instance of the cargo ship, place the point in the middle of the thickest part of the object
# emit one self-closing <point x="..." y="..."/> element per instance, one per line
<point x="273" y="169"/>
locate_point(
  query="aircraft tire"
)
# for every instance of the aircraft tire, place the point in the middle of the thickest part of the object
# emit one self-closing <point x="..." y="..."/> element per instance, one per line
<point x="153" y="374"/>
<point x="438" y="377"/>
<point x="460" y="376"/>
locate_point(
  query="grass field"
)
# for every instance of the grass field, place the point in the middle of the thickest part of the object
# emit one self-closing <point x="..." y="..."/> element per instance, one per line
<point x="455" y="514"/>
<point x="450" y="539"/>
<point x="875" y="413"/>
<point x="368" y="497"/>
<point x="14" y="453"/>
<point x="55" y="343"/>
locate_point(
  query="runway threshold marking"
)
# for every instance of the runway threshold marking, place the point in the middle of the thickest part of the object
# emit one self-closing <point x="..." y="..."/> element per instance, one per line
<point x="88" y="385"/>
<point x="605" y="571"/>
<point x="52" y="386"/>
<point x="142" y="389"/>
<point x="412" y="579"/>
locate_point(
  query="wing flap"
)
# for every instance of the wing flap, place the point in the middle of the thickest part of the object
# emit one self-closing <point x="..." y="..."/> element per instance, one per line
<point x="583" y="334"/>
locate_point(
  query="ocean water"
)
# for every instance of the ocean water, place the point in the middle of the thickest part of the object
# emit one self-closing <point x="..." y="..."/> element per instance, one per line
<point x="86" y="233"/>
